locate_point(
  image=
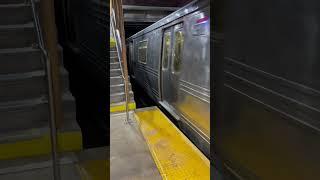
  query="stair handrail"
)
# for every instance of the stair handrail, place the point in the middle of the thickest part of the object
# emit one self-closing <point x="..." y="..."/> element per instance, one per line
<point x="116" y="35"/>
<point x="53" y="130"/>
<point x="38" y="28"/>
<point x="119" y="45"/>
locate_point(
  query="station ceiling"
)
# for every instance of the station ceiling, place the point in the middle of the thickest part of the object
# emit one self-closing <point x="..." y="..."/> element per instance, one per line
<point x="139" y="14"/>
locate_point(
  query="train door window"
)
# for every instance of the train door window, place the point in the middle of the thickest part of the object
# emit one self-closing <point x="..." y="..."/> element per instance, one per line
<point x="142" y="51"/>
<point x="166" y="50"/>
<point x="178" y="48"/>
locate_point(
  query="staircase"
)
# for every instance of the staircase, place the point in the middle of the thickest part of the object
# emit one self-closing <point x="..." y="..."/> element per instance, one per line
<point x="117" y="88"/>
<point x="24" y="108"/>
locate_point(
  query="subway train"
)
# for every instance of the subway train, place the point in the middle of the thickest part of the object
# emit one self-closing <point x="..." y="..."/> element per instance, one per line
<point x="170" y="60"/>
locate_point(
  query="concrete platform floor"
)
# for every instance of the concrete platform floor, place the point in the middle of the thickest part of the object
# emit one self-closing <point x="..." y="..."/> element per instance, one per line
<point x="130" y="158"/>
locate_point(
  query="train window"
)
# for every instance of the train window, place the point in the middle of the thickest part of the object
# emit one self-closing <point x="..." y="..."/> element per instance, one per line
<point x="166" y="50"/>
<point x="178" y="47"/>
<point x="142" y="51"/>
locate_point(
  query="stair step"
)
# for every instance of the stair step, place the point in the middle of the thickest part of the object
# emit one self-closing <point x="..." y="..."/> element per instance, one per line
<point x="113" y="59"/>
<point x="116" y="80"/>
<point x="22" y="115"/>
<point x="115" y="72"/>
<point x="69" y="112"/>
<point x="15" y="87"/>
<point x="115" y="65"/>
<point x="31" y="113"/>
<point x="113" y="48"/>
<point x="22" y="135"/>
<point x="118" y="88"/>
<point x="17" y="36"/>
<point x="29" y="85"/>
<point x="120" y="97"/>
<point x="15" y="14"/>
<point x="113" y="54"/>
<point x="20" y="60"/>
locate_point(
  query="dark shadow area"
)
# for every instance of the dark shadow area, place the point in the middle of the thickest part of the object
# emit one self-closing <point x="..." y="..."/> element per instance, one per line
<point x="83" y="33"/>
<point x="140" y="97"/>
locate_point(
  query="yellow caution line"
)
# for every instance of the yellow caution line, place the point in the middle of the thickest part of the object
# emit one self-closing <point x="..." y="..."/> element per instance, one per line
<point x="67" y="141"/>
<point x="175" y="156"/>
<point x="122" y="107"/>
<point x="112" y="42"/>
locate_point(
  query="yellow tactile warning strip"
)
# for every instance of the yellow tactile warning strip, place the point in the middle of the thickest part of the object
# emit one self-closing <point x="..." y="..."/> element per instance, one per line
<point x="176" y="157"/>
<point x="122" y="107"/>
<point x="67" y="141"/>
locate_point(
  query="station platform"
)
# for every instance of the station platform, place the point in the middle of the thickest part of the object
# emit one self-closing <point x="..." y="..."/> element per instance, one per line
<point x="149" y="146"/>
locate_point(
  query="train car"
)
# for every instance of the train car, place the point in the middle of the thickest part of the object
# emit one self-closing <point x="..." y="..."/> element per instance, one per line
<point x="170" y="60"/>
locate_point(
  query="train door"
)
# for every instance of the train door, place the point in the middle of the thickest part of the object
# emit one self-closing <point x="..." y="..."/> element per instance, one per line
<point x="171" y="65"/>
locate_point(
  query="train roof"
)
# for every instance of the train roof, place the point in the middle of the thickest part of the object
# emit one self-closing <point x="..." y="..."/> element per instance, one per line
<point x="187" y="9"/>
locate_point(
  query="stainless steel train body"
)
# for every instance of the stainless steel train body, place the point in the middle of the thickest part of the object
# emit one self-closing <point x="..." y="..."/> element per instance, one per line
<point x="171" y="61"/>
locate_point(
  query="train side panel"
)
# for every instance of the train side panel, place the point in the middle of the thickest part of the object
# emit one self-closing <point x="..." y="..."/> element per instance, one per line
<point x="147" y="73"/>
<point x="193" y="101"/>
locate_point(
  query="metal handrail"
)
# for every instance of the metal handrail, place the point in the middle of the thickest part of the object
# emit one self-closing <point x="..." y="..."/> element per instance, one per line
<point x="117" y="36"/>
<point x="53" y="130"/>
<point x="119" y="49"/>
